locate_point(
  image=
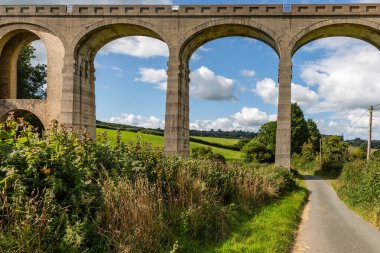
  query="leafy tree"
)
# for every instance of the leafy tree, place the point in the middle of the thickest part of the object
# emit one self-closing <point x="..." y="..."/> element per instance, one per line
<point x="267" y="135"/>
<point x="334" y="153"/>
<point x="361" y="152"/>
<point x="206" y="153"/>
<point x="376" y="155"/>
<point x="31" y="80"/>
<point x="314" y="134"/>
<point x="241" y="143"/>
<point x="200" y="152"/>
<point x="303" y="132"/>
<point x="300" y="131"/>
<point x="308" y="152"/>
<point x="261" y="148"/>
<point x="257" y="151"/>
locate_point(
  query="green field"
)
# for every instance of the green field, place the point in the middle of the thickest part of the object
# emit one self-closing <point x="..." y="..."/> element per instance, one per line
<point x="223" y="141"/>
<point x="158" y="141"/>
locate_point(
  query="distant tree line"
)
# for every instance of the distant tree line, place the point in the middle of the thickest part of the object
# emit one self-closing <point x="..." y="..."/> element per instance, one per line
<point x="357" y="142"/>
<point x="157" y="131"/>
<point x="223" y="134"/>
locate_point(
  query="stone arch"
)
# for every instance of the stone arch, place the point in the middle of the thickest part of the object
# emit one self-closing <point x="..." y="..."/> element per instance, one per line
<point x="111" y="29"/>
<point x="360" y="29"/>
<point x="16" y="36"/>
<point x="31" y="117"/>
<point x="34" y="106"/>
<point x="220" y="28"/>
<point x="84" y="49"/>
<point x="31" y="25"/>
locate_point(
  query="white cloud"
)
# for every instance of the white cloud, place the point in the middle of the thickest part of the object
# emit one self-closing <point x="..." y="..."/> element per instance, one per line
<point x="331" y="43"/>
<point x="247" y="73"/>
<point x="204" y="49"/>
<point x="195" y="57"/>
<point x="137" y="120"/>
<point x="154" y="76"/>
<point x="205" y="84"/>
<point x="351" y="123"/>
<point x="117" y="69"/>
<point x="247" y="119"/>
<point x="225" y="124"/>
<point x="99" y="65"/>
<point x="346" y="77"/>
<point x="303" y="95"/>
<point x="252" y="117"/>
<point x="333" y="124"/>
<point x="267" y="89"/>
<point x="137" y="46"/>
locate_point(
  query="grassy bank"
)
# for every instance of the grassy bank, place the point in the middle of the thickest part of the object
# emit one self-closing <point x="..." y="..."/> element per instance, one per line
<point x="158" y="141"/>
<point x="270" y="229"/>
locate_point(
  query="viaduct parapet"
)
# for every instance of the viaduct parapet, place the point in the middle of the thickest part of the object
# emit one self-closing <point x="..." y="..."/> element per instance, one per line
<point x="73" y="35"/>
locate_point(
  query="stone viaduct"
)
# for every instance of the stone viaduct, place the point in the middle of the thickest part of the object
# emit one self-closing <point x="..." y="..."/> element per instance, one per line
<point x="73" y="34"/>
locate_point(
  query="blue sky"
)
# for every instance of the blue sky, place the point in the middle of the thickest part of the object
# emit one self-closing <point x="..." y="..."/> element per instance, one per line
<point x="234" y="82"/>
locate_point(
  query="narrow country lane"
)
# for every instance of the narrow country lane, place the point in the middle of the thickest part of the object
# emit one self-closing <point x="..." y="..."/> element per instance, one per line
<point x="328" y="226"/>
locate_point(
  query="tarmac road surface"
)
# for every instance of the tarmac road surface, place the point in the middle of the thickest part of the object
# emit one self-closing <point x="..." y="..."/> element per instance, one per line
<point x="329" y="226"/>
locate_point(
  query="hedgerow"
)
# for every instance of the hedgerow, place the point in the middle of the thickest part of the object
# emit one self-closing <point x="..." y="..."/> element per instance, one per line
<point x="359" y="186"/>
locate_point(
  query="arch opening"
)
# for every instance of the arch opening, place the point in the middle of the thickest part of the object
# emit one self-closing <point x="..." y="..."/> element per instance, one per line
<point x="336" y="80"/>
<point x="28" y="116"/>
<point x="229" y="79"/>
<point x="21" y="76"/>
<point x="125" y="65"/>
<point x="212" y="32"/>
<point x="363" y="32"/>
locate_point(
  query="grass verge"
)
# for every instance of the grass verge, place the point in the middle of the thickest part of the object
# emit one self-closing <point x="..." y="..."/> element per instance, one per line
<point x="270" y="229"/>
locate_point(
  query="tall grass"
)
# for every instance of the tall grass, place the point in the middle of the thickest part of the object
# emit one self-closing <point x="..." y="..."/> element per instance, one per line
<point x="26" y="221"/>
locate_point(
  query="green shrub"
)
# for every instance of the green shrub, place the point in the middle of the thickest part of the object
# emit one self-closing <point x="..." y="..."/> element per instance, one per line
<point x="335" y="153"/>
<point x="300" y="163"/>
<point x="206" y="153"/>
<point x="359" y="185"/>
<point x="256" y="151"/>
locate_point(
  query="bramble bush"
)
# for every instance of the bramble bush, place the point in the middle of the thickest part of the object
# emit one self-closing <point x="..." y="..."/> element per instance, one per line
<point x="61" y="192"/>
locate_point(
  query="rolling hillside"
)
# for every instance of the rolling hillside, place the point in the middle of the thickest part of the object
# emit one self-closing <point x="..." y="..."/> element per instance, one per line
<point x="158" y="141"/>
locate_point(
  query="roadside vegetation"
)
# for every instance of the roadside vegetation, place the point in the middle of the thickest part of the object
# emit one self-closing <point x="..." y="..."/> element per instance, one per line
<point x="356" y="181"/>
<point x="359" y="187"/>
<point x="64" y="193"/>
